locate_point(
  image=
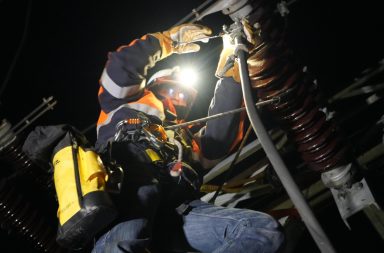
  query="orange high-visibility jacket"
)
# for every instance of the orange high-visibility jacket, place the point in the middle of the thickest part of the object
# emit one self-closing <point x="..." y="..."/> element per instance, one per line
<point x="122" y="95"/>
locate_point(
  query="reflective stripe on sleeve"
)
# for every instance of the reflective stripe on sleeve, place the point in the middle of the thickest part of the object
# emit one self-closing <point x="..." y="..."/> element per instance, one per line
<point x="148" y="110"/>
<point x="116" y="90"/>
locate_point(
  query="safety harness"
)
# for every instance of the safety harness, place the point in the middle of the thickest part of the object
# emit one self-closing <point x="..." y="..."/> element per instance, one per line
<point x="167" y="150"/>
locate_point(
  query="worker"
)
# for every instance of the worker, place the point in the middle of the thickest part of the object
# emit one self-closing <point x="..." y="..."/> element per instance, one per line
<point x="158" y="203"/>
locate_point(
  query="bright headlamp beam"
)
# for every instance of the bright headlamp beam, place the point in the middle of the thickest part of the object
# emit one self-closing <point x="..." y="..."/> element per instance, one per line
<point x="187" y="76"/>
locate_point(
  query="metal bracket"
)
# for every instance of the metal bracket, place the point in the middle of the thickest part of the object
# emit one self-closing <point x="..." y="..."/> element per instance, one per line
<point x="47" y="104"/>
<point x="352" y="200"/>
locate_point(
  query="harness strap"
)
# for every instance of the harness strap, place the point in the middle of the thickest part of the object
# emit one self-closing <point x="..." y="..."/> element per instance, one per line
<point x="184" y="208"/>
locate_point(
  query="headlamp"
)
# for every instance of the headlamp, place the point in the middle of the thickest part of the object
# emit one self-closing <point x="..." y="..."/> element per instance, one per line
<point x="187" y="76"/>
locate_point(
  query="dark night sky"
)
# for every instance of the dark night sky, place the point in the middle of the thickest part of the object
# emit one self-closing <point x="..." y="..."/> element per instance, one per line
<point x="67" y="44"/>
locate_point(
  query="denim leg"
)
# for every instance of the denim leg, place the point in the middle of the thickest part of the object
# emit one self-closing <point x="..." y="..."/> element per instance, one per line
<point x="216" y="229"/>
<point x="137" y="204"/>
<point x="134" y="233"/>
<point x="123" y="238"/>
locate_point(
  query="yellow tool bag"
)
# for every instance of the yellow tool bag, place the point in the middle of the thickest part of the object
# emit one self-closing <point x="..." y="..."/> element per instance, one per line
<point x="80" y="179"/>
<point x="80" y="182"/>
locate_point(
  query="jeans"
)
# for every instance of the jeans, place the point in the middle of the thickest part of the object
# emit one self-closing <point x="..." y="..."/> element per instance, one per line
<point x="149" y="221"/>
<point x="205" y="228"/>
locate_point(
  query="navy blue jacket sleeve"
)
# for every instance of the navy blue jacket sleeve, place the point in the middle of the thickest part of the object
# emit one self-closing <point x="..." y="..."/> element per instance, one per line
<point x="219" y="134"/>
<point x="124" y="74"/>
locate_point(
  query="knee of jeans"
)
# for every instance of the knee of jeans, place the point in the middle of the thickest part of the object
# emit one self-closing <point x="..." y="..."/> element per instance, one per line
<point x="125" y="236"/>
<point x="264" y="230"/>
<point x="128" y="230"/>
<point x="134" y="246"/>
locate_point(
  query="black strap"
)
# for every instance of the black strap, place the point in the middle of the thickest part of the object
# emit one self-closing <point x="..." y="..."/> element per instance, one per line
<point x="183" y="208"/>
<point x="232" y="165"/>
<point x="75" y="150"/>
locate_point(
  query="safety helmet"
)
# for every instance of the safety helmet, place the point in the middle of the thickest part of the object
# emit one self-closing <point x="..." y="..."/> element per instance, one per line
<point x="176" y="94"/>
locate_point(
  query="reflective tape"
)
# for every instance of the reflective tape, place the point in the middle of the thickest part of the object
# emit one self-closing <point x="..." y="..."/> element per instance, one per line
<point x="116" y="90"/>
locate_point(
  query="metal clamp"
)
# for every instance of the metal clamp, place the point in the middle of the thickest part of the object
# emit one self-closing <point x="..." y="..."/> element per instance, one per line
<point x="122" y="134"/>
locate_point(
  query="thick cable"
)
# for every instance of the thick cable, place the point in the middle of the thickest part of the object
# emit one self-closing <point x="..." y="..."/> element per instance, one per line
<point x="218" y="115"/>
<point x="193" y="13"/>
<point x="285" y="177"/>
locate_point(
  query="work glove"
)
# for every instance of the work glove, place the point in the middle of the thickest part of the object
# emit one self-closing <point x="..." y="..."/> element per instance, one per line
<point x="175" y="40"/>
<point x="227" y="65"/>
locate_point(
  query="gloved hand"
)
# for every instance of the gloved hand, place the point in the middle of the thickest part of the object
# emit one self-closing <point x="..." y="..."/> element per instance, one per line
<point x="227" y="65"/>
<point x="170" y="39"/>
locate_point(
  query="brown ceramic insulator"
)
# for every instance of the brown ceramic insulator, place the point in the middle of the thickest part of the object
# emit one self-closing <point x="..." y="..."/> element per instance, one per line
<point x="17" y="215"/>
<point x="273" y="71"/>
<point x="13" y="155"/>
